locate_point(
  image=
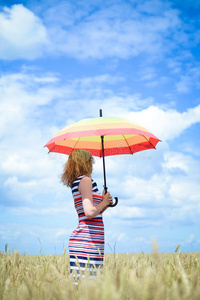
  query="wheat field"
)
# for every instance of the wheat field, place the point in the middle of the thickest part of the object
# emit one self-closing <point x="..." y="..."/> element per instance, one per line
<point x="154" y="276"/>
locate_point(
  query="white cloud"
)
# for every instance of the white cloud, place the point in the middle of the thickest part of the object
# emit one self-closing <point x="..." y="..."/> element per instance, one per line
<point x="166" y="124"/>
<point x="15" y="164"/>
<point x="126" y="212"/>
<point x="185" y="191"/>
<point x="169" y="196"/>
<point x="26" y="169"/>
<point x="118" y="30"/>
<point x="140" y="191"/>
<point x="21" y="94"/>
<point x="22" y="34"/>
<point x="185" y="163"/>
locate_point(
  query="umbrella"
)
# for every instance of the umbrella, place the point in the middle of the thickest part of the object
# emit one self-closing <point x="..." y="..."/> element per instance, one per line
<point x="102" y="137"/>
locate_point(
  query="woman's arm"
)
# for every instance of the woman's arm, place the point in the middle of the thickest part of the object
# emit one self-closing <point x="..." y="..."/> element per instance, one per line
<point x="85" y="188"/>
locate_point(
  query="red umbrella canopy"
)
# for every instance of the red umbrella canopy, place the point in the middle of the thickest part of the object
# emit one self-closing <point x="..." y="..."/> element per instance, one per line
<point x="120" y="137"/>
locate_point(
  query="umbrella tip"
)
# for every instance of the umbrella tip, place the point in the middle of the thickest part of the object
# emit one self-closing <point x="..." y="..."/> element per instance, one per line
<point x="100" y="112"/>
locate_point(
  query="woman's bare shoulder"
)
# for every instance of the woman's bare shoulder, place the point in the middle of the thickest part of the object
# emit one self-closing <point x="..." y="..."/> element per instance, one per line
<point x="85" y="182"/>
<point x="86" y="179"/>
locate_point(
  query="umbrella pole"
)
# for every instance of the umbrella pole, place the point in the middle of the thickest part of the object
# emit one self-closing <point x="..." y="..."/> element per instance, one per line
<point x="104" y="168"/>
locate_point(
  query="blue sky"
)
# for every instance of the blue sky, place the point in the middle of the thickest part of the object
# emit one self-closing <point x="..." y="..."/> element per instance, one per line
<point x="60" y="62"/>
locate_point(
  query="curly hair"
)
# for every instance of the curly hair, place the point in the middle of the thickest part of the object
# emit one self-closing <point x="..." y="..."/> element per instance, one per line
<point x="79" y="163"/>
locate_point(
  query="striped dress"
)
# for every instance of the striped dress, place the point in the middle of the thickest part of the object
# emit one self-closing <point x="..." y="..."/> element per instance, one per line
<point x="86" y="243"/>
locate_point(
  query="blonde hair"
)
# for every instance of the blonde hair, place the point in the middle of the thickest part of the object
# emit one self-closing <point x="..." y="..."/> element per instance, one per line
<point x="79" y="163"/>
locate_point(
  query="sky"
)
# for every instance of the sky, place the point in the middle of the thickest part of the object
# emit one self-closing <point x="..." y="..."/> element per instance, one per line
<point x="62" y="61"/>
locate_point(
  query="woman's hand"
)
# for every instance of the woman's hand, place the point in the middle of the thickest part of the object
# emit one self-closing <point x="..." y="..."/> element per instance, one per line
<point x="107" y="198"/>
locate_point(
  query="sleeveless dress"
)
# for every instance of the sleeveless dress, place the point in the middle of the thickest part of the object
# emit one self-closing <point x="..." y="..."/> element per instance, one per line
<point x="86" y="243"/>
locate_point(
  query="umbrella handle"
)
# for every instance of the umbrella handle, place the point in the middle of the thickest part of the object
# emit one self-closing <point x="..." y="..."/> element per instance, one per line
<point x="114" y="204"/>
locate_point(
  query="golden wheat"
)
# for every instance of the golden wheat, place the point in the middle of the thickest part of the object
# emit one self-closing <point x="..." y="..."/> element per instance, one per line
<point x="153" y="276"/>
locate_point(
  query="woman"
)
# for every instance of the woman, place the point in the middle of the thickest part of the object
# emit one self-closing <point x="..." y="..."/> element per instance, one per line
<point x="86" y="243"/>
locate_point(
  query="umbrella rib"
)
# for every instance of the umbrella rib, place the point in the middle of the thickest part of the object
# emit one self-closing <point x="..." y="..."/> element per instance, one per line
<point x="76" y="143"/>
<point x="127" y="144"/>
<point x="148" y="141"/>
